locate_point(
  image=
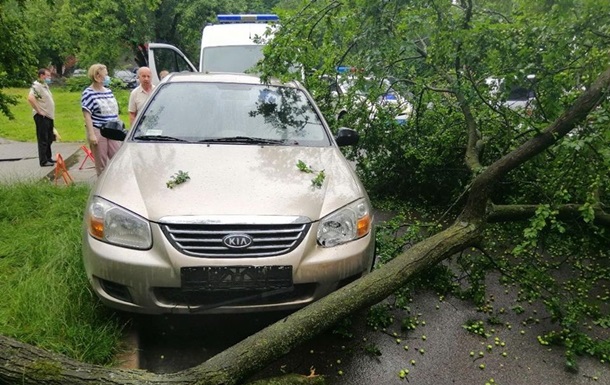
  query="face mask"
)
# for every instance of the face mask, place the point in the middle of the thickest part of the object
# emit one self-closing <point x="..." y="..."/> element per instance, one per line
<point x="106" y="81"/>
<point x="47" y="80"/>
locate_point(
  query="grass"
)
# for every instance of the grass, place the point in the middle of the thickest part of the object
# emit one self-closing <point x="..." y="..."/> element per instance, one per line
<point x="44" y="293"/>
<point x="69" y="119"/>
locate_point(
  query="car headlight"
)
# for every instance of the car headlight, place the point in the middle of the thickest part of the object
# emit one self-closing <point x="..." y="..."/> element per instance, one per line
<point x="346" y="224"/>
<point x="113" y="224"/>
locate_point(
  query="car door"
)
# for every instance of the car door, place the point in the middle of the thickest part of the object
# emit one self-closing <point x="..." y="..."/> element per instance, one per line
<point x="166" y="57"/>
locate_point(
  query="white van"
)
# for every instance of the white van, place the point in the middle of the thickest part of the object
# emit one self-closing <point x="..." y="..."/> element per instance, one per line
<point x="236" y="43"/>
<point x="233" y="44"/>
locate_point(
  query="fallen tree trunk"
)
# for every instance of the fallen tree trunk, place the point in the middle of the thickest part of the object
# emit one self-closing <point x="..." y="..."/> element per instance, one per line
<point x="24" y="364"/>
<point x="278" y="339"/>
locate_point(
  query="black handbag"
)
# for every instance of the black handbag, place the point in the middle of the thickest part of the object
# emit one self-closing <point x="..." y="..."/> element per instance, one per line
<point x="114" y="130"/>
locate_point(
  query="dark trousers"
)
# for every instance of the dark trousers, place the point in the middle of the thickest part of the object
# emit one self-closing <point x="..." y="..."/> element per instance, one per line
<point x="44" y="136"/>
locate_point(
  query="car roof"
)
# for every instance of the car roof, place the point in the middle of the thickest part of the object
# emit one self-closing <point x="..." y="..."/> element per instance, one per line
<point x="218" y="77"/>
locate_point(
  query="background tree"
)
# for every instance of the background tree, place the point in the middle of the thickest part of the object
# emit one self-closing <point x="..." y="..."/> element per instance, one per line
<point x="68" y="33"/>
<point x="17" y="62"/>
<point x="54" y="27"/>
<point x="181" y="23"/>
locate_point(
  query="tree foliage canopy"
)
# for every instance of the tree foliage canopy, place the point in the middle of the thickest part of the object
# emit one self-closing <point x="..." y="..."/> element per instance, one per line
<point x="442" y="54"/>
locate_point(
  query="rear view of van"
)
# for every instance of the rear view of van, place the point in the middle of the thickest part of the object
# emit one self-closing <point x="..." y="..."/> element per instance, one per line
<point x="235" y="43"/>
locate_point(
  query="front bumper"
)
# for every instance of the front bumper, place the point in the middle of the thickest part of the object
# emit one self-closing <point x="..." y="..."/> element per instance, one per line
<point x="149" y="281"/>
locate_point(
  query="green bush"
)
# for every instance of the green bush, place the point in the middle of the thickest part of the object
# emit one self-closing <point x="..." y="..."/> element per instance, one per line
<point x="77" y="83"/>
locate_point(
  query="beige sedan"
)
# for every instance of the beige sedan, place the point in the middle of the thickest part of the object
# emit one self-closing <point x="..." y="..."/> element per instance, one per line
<point x="228" y="195"/>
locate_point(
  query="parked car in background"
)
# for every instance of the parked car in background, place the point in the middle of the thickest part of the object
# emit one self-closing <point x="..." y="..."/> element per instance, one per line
<point x="227" y="195"/>
<point x="520" y="96"/>
<point x="372" y="93"/>
<point x="128" y="77"/>
<point x="79" y="72"/>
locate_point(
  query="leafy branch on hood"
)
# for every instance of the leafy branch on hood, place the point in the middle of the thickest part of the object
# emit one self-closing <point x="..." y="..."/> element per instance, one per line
<point x="318" y="180"/>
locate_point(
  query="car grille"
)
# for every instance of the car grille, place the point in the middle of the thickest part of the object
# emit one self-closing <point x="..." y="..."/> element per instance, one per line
<point x="206" y="240"/>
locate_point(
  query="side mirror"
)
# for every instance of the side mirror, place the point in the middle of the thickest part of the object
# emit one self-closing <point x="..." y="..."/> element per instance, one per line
<point x="346" y="137"/>
<point x="114" y="130"/>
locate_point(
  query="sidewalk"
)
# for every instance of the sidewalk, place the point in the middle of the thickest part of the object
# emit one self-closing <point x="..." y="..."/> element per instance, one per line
<point x="19" y="162"/>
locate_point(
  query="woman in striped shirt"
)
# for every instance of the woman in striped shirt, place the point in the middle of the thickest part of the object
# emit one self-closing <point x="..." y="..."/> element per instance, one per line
<point x="99" y="107"/>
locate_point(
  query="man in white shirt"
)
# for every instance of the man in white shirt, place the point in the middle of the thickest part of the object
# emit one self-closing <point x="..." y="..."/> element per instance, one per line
<point x="43" y="105"/>
<point x="140" y="94"/>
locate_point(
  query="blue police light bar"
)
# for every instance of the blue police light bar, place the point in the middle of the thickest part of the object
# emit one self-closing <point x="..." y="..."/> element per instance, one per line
<point x="350" y="69"/>
<point x="253" y="18"/>
<point x="344" y="69"/>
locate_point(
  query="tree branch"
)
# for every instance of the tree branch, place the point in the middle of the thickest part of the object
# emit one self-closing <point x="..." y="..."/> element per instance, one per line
<point x="504" y="213"/>
<point x="484" y="183"/>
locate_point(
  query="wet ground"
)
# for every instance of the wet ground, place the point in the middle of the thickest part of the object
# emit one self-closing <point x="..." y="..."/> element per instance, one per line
<point x="438" y="350"/>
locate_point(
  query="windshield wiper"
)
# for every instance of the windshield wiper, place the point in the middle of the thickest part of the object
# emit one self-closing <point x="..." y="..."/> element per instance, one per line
<point x="242" y="139"/>
<point x="159" y="138"/>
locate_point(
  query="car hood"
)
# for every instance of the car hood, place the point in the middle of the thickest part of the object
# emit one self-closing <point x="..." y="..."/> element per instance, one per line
<point x="227" y="180"/>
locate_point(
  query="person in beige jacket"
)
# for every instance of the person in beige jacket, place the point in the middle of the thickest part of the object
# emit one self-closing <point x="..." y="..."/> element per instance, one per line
<point x="43" y="109"/>
<point x="140" y="94"/>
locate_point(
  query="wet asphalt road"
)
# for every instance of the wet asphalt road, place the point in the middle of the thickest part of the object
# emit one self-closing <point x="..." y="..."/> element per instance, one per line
<point x="437" y="351"/>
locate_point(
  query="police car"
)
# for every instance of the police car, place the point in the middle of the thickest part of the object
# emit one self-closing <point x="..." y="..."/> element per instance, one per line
<point x="352" y="90"/>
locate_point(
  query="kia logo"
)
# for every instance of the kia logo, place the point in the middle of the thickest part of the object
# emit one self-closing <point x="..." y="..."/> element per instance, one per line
<point x="237" y="241"/>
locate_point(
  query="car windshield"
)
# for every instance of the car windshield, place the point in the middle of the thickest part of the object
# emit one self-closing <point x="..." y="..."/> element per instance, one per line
<point x="235" y="59"/>
<point x="520" y="93"/>
<point x="231" y="113"/>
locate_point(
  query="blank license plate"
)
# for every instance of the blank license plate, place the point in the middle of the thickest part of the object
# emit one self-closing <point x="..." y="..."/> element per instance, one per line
<point x="236" y="277"/>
